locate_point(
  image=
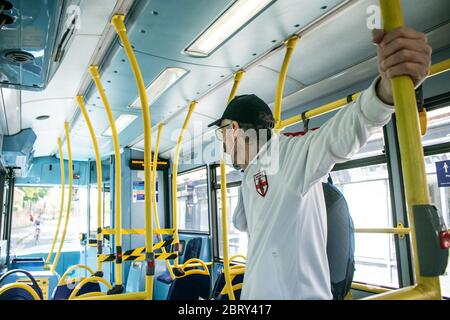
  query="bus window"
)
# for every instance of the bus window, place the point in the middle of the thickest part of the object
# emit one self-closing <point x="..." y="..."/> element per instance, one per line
<point x="367" y="192"/>
<point x="437" y="138"/>
<point x="440" y="197"/>
<point x="35" y="217"/>
<point x="106" y="209"/>
<point x="237" y="241"/>
<point x="438" y="127"/>
<point x="192" y="199"/>
<point x="106" y="206"/>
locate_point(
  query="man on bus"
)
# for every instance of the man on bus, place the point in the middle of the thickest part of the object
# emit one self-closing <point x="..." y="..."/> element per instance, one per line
<point x="284" y="212"/>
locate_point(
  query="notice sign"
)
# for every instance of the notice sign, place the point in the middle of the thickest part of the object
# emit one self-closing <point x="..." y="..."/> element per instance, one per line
<point x="139" y="193"/>
<point x="443" y="173"/>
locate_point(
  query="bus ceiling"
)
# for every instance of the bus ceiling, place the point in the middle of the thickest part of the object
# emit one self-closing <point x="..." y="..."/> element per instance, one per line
<point x="181" y="62"/>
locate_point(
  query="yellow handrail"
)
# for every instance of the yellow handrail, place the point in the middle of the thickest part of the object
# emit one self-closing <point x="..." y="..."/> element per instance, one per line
<point x="61" y="208"/>
<point x="19" y="285"/>
<point x="190" y="263"/>
<point x="139" y="231"/>
<point x="70" y="269"/>
<point x="155" y="205"/>
<point x="223" y="193"/>
<point x="400" y="231"/>
<point x="93" y="71"/>
<point x="290" y="46"/>
<point x="436" y="69"/>
<point x="413" y="166"/>
<point x="122" y="296"/>
<point x="98" y="163"/>
<point x="369" y="288"/>
<point x="192" y="106"/>
<point x="69" y="201"/>
<point x="439" y="67"/>
<point x="118" y="23"/>
<point x="88" y="280"/>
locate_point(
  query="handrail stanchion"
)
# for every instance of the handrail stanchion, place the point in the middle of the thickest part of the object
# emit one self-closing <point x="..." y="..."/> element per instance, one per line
<point x="192" y="106"/>
<point x="155" y="204"/>
<point x="118" y="288"/>
<point x="290" y="46"/>
<point x="436" y="69"/>
<point x="69" y="200"/>
<point x="223" y="194"/>
<point x="98" y="163"/>
<point x="61" y="208"/>
<point x="413" y="165"/>
<point x="118" y="23"/>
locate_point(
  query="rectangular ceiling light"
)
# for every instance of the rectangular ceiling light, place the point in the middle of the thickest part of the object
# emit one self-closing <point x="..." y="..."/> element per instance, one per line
<point x="233" y="19"/>
<point x="123" y="121"/>
<point x="157" y="87"/>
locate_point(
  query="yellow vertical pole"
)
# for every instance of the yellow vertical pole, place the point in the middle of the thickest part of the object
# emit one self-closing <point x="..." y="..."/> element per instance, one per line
<point x="118" y="23"/>
<point x="192" y="106"/>
<point x="223" y="193"/>
<point x="412" y="158"/>
<point x="61" y="208"/>
<point x="98" y="163"/>
<point x="93" y="71"/>
<point x="69" y="200"/>
<point x="290" y="46"/>
<point x="155" y="204"/>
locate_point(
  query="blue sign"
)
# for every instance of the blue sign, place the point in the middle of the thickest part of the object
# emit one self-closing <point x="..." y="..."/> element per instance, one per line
<point x="443" y="173"/>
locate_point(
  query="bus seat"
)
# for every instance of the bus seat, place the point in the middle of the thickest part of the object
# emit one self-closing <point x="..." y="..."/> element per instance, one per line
<point x="340" y="241"/>
<point x="17" y="294"/>
<point x="63" y="292"/>
<point x="192" y="250"/>
<point x="191" y="287"/>
<point x="220" y="283"/>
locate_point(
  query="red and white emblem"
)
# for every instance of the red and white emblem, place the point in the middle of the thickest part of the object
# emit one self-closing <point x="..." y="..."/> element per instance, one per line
<point x="261" y="183"/>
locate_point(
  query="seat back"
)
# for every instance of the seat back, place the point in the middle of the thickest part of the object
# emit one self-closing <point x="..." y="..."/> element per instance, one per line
<point x="340" y="241"/>
<point x="191" y="287"/>
<point x="220" y="284"/>
<point x="193" y="249"/>
<point x="63" y="292"/>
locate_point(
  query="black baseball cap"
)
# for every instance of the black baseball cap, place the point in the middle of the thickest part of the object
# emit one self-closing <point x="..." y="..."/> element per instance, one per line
<point x="247" y="108"/>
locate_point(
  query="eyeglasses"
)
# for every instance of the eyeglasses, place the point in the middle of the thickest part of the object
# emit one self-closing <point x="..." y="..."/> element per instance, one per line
<point x="219" y="132"/>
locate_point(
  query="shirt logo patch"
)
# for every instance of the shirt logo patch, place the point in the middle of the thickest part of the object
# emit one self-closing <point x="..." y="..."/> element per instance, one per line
<point x="261" y="183"/>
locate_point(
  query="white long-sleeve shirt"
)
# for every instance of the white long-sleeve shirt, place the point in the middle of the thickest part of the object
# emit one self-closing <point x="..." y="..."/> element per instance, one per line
<point x="281" y="204"/>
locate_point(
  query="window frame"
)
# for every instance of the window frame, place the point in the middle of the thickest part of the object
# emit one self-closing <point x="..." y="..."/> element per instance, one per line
<point x="196" y="232"/>
<point x="383" y="158"/>
<point x="215" y="186"/>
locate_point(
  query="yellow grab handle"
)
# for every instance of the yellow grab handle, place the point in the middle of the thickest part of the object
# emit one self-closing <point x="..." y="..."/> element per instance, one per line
<point x="192" y="106"/>
<point x="72" y="268"/>
<point x="61" y="208"/>
<point x="155" y="205"/>
<point x="223" y="191"/>
<point x="69" y="201"/>
<point x="19" y="285"/>
<point x="88" y="280"/>
<point x="290" y="46"/>
<point x="93" y="71"/>
<point x="98" y="163"/>
<point x="237" y="80"/>
<point x="118" y="23"/>
<point x="188" y="263"/>
<point x="423" y="121"/>
<point x="413" y="165"/>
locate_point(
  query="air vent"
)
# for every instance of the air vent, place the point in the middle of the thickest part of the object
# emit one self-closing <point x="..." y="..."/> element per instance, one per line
<point x="19" y="57"/>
